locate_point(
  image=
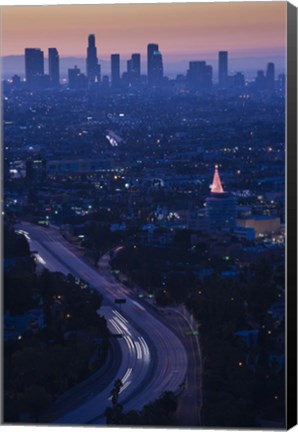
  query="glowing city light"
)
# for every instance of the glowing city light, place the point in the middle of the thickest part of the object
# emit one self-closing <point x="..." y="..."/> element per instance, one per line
<point x="216" y="186"/>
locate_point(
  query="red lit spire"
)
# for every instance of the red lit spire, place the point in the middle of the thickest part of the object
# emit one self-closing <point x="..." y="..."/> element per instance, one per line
<point x="216" y="186"/>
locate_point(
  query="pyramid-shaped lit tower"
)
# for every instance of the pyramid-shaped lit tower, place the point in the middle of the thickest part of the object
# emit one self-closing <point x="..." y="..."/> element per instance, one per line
<point x="221" y="207"/>
<point x="216" y="186"/>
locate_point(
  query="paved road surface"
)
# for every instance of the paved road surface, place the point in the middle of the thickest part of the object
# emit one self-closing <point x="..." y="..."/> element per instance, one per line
<point x="153" y="358"/>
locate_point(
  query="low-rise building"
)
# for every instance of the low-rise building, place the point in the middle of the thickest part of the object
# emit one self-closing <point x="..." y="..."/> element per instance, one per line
<point x="261" y="224"/>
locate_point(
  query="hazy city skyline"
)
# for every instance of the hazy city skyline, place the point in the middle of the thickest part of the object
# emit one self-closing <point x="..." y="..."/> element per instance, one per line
<point x="183" y="30"/>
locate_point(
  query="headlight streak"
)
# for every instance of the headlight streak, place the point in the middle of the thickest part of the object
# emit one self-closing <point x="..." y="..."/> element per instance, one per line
<point x="129" y="342"/>
<point x="24" y="233"/>
<point x="140" y="346"/>
<point x="138" y="305"/>
<point x="124" y="381"/>
<point x="122" y="325"/>
<point x="145" y="349"/>
<point x="121" y="317"/>
<point x="115" y="325"/>
<point x="137" y="348"/>
<point x="139" y="351"/>
<point x="126" y="375"/>
<point x="139" y="367"/>
<point x="40" y="259"/>
<point x="112" y="141"/>
<point x="125" y="386"/>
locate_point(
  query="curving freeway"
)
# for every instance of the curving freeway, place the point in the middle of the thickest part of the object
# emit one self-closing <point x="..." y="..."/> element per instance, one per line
<point x="153" y="359"/>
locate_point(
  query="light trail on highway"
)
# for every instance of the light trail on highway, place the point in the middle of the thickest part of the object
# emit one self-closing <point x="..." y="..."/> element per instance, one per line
<point x="153" y="360"/>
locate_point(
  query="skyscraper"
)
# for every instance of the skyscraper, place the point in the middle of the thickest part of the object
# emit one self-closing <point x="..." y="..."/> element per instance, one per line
<point x="260" y="81"/>
<point x="129" y="68"/>
<point x="221" y="207"/>
<point x="136" y="65"/>
<point x="54" y="67"/>
<point x="115" y="69"/>
<point x="270" y="77"/>
<point x="98" y="73"/>
<point x="92" y="62"/>
<point x="34" y="65"/>
<point x="151" y="48"/>
<point x="133" y="74"/>
<point x="223" y="68"/>
<point x="154" y="64"/>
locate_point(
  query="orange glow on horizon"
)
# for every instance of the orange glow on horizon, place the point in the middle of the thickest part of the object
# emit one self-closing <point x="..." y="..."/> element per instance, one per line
<point x="179" y="28"/>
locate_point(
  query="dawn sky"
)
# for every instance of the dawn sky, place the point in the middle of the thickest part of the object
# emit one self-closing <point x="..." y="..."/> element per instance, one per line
<point x="185" y="30"/>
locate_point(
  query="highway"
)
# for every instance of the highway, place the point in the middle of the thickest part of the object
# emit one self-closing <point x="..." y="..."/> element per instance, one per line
<point x="153" y="359"/>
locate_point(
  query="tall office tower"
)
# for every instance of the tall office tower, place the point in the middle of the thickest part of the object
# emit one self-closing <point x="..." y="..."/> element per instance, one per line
<point x="98" y="73"/>
<point x="133" y="73"/>
<point x="92" y="62"/>
<point x="270" y="77"/>
<point x="151" y="48"/>
<point x="136" y="65"/>
<point x="34" y="66"/>
<point x="129" y="67"/>
<point x="115" y="70"/>
<point x="54" y="67"/>
<point x="155" y="65"/>
<point x="260" y="81"/>
<point x="223" y="68"/>
<point x="221" y="207"/>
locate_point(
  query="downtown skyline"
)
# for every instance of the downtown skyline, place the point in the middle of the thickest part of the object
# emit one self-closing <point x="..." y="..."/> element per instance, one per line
<point x="35" y="60"/>
<point x="12" y="65"/>
<point x="202" y="30"/>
